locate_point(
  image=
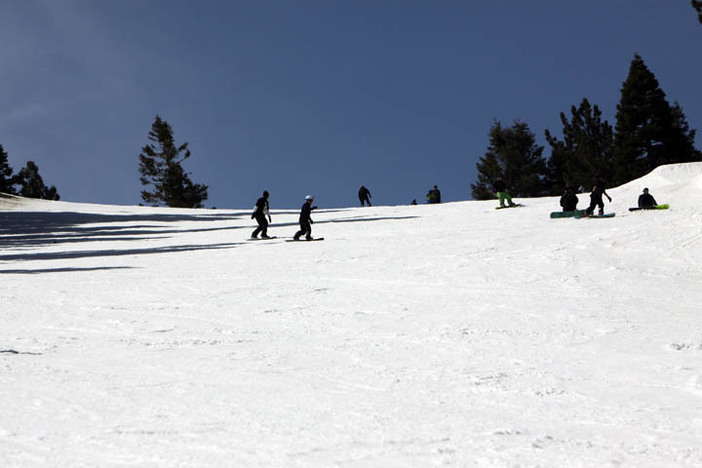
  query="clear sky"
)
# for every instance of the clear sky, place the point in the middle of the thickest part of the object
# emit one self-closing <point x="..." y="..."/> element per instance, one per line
<point x="316" y="97"/>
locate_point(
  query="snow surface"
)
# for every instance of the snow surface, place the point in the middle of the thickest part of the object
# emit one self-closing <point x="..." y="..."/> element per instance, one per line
<point x="413" y="336"/>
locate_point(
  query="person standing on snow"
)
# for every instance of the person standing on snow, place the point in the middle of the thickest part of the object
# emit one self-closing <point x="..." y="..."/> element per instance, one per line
<point x="434" y="195"/>
<point x="305" y="219"/>
<point x="364" y="196"/>
<point x="646" y="200"/>
<point x="596" y="199"/>
<point x="261" y="211"/>
<point x="499" y="188"/>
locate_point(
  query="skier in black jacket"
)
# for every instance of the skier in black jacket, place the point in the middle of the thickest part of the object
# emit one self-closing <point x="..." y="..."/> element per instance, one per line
<point x="596" y="199"/>
<point x="305" y="219"/>
<point x="261" y="211"/>
<point x="364" y="196"/>
<point x="646" y="200"/>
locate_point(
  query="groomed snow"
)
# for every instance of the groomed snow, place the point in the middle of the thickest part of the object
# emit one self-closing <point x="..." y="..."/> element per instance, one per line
<point x="413" y="336"/>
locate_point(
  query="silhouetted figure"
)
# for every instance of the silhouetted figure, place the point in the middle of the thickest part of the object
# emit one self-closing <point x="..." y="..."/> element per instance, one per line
<point x="646" y="200"/>
<point x="434" y="195"/>
<point x="569" y="200"/>
<point x="596" y="199"/>
<point x="305" y="219"/>
<point x="261" y="211"/>
<point x="364" y="196"/>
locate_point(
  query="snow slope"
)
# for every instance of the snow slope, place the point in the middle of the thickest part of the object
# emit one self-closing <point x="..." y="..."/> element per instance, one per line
<point x="413" y="336"/>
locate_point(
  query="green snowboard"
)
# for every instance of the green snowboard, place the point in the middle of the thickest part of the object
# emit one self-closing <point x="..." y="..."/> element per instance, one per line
<point x="566" y="214"/>
<point x="657" y="207"/>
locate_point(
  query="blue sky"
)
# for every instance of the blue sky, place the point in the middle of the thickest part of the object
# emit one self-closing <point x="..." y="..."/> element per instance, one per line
<point x="319" y="97"/>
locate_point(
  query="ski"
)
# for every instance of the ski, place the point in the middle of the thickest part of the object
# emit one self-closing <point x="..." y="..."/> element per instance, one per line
<point x="261" y="238"/>
<point x="305" y="240"/>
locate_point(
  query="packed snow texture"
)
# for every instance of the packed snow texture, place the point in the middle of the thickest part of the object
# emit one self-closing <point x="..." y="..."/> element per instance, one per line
<point x="413" y="336"/>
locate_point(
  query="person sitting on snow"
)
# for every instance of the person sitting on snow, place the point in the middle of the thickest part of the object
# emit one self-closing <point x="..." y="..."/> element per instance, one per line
<point x="646" y="200"/>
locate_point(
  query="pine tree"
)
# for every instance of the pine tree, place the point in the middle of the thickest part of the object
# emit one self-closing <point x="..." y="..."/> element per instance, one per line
<point x="32" y="185"/>
<point x="160" y="166"/>
<point x="649" y="132"/>
<point x="513" y="154"/>
<point x="7" y="181"/>
<point x="585" y="153"/>
<point x="697" y="5"/>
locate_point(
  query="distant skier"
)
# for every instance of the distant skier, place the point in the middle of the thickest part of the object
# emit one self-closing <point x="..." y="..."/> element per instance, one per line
<point x="499" y="188"/>
<point x="261" y="211"/>
<point x="434" y="195"/>
<point x="646" y="200"/>
<point x="569" y="200"/>
<point x="364" y="196"/>
<point x="596" y="199"/>
<point x="305" y="219"/>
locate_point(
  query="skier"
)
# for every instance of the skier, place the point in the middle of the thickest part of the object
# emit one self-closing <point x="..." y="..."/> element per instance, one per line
<point x="434" y="195"/>
<point x="596" y="199"/>
<point x="261" y="211"/>
<point x="364" y="196"/>
<point x="499" y="188"/>
<point x="569" y="200"/>
<point x="305" y="219"/>
<point x="646" y="200"/>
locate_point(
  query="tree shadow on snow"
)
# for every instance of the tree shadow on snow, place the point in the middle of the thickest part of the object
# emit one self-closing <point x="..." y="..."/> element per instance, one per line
<point x="25" y="229"/>
<point x="113" y="252"/>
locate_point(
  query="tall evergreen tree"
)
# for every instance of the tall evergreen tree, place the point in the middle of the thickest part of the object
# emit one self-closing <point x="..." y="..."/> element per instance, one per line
<point x="697" y="5"/>
<point x="32" y="185"/>
<point x="585" y="153"/>
<point x="513" y="154"/>
<point x="7" y="180"/>
<point x="160" y="166"/>
<point x="649" y="132"/>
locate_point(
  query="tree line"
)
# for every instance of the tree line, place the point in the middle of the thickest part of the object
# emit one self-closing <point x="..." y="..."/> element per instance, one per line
<point x="648" y="132"/>
<point x="26" y="183"/>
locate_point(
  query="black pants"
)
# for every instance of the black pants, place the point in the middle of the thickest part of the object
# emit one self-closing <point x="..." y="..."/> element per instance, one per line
<point x="365" y="200"/>
<point x="594" y="204"/>
<point x="305" y="229"/>
<point x="262" y="226"/>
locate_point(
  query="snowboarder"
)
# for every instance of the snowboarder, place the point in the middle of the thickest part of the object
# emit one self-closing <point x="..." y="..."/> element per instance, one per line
<point x="596" y="199"/>
<point x="434" y="195"/>
<point x="646" y="200"/>
<point x="261" y="211"/>
<point x="364" y="196"/>
<point x="305" y="219"/>
<point x="569" y="200"/>
<point x="499" y="188"/>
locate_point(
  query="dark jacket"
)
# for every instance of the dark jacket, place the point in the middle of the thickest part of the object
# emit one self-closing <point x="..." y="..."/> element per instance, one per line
<point x="261" y="208"/>
<point x="305" y="212"/>
<point x="364" y="193"/>
<point x="569" y="200"/>
<point x="646" y="200"/>
<point x="499" y="186"/>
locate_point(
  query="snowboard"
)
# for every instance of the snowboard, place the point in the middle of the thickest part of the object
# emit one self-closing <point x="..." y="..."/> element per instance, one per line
<point x="261" y="238"/>
<point x="567" y="214"/>
<point x="657" y="207"/>
<point x="305" y="240"/>
<point x="584" y="215"/>
<point x="508" y="206"/>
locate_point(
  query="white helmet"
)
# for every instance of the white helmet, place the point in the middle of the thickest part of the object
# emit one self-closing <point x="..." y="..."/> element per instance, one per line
<point x="309" y="197"/>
